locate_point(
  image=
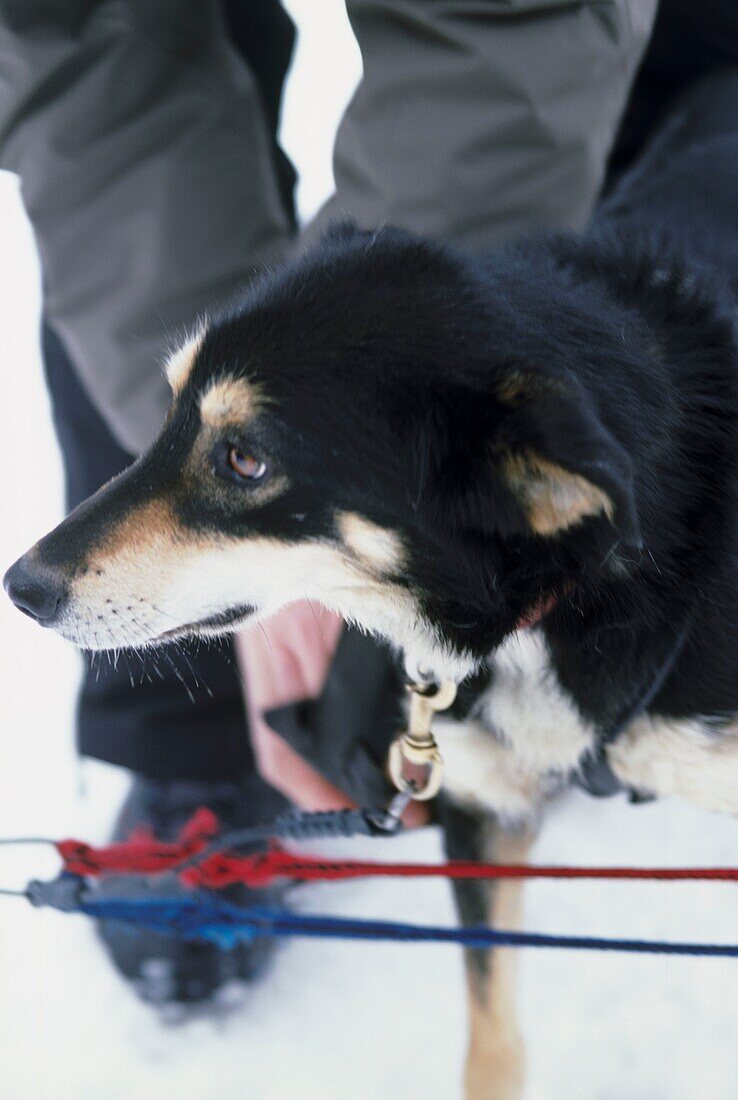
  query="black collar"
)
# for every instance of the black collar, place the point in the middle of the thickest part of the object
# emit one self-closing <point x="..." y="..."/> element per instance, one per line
<point x="595" y="774"/>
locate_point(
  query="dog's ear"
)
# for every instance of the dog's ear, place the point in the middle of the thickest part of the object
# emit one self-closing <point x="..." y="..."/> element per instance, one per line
<point x="561" y="462"/>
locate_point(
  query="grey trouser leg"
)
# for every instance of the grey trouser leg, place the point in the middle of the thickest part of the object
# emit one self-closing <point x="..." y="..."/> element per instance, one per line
<point x="146" y="169"/>
<point x="478" y="120"/>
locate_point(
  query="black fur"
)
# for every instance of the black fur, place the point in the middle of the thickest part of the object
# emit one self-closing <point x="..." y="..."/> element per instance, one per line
<point x="401" y="375"/>
<point x="387" y="358"/>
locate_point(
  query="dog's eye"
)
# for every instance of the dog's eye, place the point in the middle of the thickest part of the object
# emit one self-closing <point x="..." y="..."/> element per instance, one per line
<point x="246" y="466"/>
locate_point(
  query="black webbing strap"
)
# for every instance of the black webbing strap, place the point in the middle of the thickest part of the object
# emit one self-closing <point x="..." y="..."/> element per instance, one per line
<point x="595" y="774"/>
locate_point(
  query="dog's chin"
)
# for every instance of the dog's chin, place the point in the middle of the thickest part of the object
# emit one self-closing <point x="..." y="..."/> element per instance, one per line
<point x="133" y="637"/>
<point x="225" y="622"/>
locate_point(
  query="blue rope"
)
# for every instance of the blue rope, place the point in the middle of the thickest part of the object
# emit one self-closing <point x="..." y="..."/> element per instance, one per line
<point x="224" y="924"/>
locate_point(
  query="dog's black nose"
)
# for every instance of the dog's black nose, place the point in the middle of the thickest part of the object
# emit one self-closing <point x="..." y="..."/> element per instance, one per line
<point x="34" y="590"/>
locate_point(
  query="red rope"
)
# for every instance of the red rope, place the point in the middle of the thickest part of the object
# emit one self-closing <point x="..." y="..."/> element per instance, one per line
<point x="220" y="869"/>
<point x="143" y="854"/>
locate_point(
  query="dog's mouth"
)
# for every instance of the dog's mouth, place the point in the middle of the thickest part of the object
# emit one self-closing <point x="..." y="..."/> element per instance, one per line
<point x="212" y="625"/>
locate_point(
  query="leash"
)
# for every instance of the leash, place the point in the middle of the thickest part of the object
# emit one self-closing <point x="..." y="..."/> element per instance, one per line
<point x="215" y="866"/>
<point x="220" y="870"/>
<point x="224" y="924"/>
<point x="143" y="854"/>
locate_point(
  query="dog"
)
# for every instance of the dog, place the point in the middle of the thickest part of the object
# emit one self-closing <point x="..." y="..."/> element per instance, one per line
<point x="518" y="468"/>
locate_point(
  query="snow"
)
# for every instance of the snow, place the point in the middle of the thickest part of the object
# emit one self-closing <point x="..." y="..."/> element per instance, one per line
<point x="330" y="1020"/>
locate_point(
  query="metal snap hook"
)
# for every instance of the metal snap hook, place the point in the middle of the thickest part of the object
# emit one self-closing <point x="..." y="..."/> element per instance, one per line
<point x="416" y="749"/>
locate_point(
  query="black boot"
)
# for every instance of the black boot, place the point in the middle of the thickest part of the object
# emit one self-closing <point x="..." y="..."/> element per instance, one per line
<point x="162" y="968"/>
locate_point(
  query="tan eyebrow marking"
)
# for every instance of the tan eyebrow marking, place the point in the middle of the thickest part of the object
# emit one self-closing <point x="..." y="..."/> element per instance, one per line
<point x="179" y="364"/>
<point x="378" y="546"/>
<point x="553" y="498"/>
<point x="229" y="401"/>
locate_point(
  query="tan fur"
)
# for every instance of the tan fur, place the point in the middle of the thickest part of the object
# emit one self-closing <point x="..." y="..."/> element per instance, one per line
<point x="152" y="524"/>
<point x="376" y="546"/>
<point x="495" y="1068"/>
<point x="514" y="389"/>
<point x="485" y="774"/>
<point x="229" y="401"/>
<point x="680" y="757"/>
<point x="552" y="498"/>
<point x="179" y="364"/>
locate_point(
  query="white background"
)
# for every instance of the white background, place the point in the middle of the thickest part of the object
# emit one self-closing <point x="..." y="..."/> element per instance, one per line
<point x="331" y="1020"/>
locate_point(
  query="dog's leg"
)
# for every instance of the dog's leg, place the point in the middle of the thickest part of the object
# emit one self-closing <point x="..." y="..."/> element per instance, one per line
<point x="680" y="757"/>
<point x="495" y="1061"/>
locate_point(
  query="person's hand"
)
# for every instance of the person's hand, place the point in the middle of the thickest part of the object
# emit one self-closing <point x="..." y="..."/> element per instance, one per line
<point x="286" y="660"/>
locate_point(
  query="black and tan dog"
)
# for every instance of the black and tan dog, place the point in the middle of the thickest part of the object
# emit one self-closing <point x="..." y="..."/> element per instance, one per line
<point x="442" y="449"/>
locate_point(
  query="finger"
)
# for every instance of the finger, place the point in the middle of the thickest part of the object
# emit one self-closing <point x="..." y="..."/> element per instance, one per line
<point x="287" y="658"/>
<point x="282" y="767"/>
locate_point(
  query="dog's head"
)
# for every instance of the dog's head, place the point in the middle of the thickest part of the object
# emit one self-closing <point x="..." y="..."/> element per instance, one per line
<point x="378" y="428"/>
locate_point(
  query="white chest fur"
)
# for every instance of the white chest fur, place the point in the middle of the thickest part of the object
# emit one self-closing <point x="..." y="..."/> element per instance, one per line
<point x="525" y="732"/>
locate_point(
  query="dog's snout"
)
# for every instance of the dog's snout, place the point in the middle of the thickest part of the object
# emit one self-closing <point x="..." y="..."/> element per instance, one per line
<point x="35" y="590"/>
